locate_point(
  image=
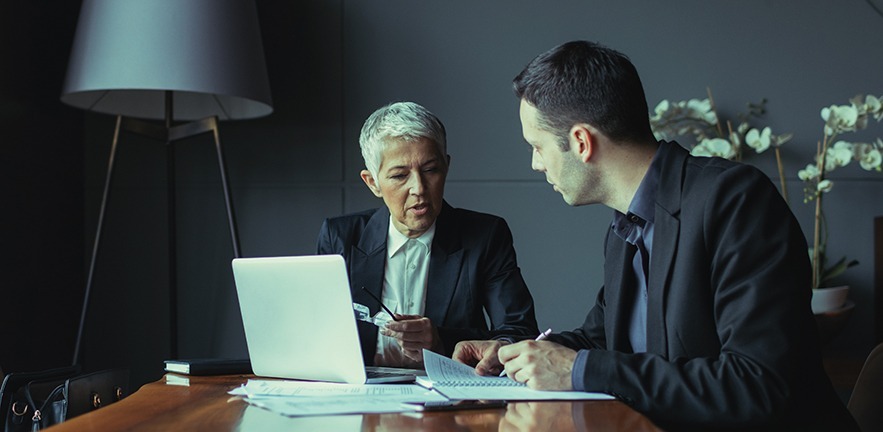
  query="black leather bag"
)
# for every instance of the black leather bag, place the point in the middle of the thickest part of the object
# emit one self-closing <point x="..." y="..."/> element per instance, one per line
<point x="36" y="400"/>
<point x="23" y="397"/>
<point x="85" y="393"/>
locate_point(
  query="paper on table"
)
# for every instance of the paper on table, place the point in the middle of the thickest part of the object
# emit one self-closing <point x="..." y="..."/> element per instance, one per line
<point x="290" y="406"/>
<point x="307" y="398"/>
<point x="276" y="388"/>
<point x="458" y="381"/>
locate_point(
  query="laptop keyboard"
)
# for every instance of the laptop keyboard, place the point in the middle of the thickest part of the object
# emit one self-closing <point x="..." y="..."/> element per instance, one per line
<point x="379" y="374"/>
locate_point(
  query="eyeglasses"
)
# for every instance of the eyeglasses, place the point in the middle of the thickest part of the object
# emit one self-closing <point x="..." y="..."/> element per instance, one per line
<point x="364" y="314"/>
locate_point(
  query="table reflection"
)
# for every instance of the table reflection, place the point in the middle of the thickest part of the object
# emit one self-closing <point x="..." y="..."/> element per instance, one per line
<point x="575" y="416"/>
<point x="467" y="420"/>
<point x="572" y="417"/>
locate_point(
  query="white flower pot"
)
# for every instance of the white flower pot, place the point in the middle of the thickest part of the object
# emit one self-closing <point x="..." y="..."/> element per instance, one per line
<point x="825" y="300"/>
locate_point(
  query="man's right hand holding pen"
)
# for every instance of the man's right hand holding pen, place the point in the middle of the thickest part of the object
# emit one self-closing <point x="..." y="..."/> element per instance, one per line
<point x="542" y="365"/>
<point x="539" y="338"/>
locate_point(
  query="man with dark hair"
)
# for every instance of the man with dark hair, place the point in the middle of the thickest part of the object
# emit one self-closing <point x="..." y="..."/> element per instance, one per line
<point x="704" y="318"/>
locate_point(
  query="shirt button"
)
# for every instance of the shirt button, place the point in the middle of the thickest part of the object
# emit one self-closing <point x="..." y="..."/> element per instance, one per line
<point x="634" y="218"/>
<point x="413" y="266"/>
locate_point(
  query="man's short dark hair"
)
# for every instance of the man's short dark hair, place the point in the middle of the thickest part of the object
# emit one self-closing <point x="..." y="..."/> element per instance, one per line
<point x="584" y="82"/>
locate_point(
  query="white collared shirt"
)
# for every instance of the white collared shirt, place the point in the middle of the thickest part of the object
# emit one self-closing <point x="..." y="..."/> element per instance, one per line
<point x="404" y="285"/>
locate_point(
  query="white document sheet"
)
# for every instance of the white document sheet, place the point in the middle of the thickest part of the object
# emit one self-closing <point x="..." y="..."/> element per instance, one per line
<point x="307" y="398"/>
<point x="459" y="381"/>
<point x="272" y="388"/>
<point x="295" y="407"/>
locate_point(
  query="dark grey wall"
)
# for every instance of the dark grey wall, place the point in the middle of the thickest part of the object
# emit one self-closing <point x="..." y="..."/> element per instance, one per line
<point x="41" y="189"/>
<point x="332" y="63"/>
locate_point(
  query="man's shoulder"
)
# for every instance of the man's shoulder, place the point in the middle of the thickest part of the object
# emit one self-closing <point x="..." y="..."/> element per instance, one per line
<point x="682" y="169"/>
<point x="713" y="164"/>
<point x="712" y="171"/>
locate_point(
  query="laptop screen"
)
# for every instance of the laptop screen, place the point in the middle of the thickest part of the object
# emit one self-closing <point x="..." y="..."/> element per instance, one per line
<point x="298" y="318"/>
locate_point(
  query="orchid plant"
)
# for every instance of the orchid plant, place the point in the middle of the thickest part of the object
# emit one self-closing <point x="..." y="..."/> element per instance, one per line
<point x="831" y="154"/>
<point x="699" y="118"/>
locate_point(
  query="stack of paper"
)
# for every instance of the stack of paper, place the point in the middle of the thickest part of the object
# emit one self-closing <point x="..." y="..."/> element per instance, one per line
<point x="305" y="398"/>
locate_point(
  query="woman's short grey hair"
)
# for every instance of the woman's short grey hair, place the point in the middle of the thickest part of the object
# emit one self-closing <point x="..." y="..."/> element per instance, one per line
<point x="400" y="120"/>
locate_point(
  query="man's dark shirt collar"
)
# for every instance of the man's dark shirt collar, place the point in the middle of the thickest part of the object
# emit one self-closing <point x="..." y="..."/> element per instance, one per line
<point x="642" y="207"/>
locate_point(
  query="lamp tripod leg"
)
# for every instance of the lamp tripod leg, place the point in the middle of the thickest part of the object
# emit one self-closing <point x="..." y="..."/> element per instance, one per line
<point x="97" y="242"/>
<point x="228" y="201"/>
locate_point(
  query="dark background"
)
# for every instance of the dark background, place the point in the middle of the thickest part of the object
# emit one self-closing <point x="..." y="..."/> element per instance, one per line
<point x="331" y="63"/>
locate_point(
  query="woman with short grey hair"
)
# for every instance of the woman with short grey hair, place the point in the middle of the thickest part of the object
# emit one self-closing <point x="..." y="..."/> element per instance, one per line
<point x="436" y="268"/>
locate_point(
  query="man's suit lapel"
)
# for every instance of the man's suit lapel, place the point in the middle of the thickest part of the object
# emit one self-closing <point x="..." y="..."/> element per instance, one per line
<point x="445" y="263"/>
<point x="667" y="226"/>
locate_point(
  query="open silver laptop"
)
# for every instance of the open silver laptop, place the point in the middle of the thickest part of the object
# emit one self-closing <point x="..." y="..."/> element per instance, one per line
<point x="299" y="321"/>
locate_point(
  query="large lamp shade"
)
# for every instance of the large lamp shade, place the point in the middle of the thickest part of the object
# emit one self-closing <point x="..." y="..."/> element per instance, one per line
<point x="128" y="53"/>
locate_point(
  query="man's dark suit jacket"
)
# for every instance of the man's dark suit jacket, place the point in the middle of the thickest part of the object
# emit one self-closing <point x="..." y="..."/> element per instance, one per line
<point x="731" y="339"/>
<point x="472" y="267"/>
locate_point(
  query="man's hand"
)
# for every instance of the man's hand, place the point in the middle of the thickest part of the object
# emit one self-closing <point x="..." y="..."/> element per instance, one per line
<point x="413" y="333"/>
<point x="542" y="365"/>
<point x="482" y="355"/>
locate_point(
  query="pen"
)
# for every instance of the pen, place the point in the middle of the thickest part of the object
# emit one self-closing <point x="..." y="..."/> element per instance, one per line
<point x="392" y="315"/>
<point x="539" y="338"/>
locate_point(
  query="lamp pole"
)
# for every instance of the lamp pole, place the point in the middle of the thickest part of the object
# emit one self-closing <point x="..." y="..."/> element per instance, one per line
<point x="173" y="256"/>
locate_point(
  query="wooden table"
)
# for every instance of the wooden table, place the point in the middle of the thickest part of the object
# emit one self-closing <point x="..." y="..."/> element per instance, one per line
<point x="204" y="405"/>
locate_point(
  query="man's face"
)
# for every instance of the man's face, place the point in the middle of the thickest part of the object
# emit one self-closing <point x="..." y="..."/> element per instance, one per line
<point x="411" y="181"/>
<point x="562" y="168"/>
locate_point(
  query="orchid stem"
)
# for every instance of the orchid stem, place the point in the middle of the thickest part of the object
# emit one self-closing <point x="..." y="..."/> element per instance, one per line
<point x="822" y="151"/>
<point x="781" y="174"/>
<point x="720" y="130"/>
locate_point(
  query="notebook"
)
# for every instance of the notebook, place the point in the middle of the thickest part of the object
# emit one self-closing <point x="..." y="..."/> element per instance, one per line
<point x="458" y="381"/>
<point x="299" y="322"/>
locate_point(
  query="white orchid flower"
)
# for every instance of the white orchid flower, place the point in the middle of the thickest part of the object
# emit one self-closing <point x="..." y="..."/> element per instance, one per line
<point x="868" y="156"/>
<point x="839" y="118"/>
<point x="700" y="105"/>
<point x="810" y="172"/>
<point x="700" y="109"/>
<point x="840" y="154"/>
<point x="700" y="151"/>
<point x="714" y="147"/>
<point x="662" y="107"/>
<point x="759" y="141"/>
<point x="825" y="186"/>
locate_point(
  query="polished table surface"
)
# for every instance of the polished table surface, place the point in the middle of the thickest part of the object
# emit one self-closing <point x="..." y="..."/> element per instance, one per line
<point x="204" y="405"/>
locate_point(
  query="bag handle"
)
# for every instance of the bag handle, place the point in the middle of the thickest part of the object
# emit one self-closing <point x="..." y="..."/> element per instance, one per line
<point x="38" y="412"/>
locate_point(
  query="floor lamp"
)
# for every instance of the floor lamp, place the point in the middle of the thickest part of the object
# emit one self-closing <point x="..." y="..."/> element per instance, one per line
<point x="199" y="61"/>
